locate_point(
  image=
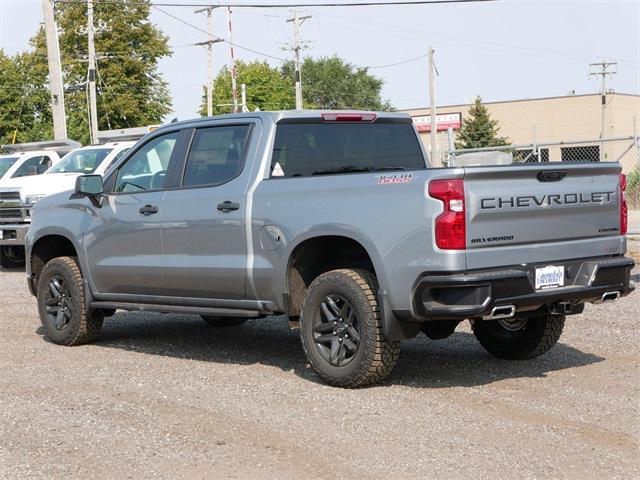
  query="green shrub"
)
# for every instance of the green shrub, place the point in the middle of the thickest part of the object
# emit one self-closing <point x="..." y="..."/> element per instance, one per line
<point x="633" y="180"/>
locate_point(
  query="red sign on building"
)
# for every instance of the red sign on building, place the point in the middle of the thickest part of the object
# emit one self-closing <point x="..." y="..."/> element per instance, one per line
<point x="444" y="121"/>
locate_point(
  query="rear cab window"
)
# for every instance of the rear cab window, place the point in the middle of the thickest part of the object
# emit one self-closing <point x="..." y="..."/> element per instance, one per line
<point x="309" y="149"/>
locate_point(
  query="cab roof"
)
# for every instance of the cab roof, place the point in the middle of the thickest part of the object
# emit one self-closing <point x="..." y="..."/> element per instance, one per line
<point x="286" y="116"/>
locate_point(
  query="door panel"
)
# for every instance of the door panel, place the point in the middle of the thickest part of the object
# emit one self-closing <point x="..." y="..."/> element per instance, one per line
<point x="125" y="246"/>
<point x="204" y="237"/>
<point x="205" y="248"/>
<point x="124" y="242"/>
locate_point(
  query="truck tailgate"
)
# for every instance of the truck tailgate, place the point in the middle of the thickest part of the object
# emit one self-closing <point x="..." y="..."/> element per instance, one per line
<point x="531" y="213"/>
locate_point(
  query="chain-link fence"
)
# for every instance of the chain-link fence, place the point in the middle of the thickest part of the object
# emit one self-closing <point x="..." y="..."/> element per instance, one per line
<point x="625" y="150"/>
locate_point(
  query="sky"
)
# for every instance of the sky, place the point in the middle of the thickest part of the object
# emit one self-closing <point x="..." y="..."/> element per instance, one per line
<point x="509" y="49"/>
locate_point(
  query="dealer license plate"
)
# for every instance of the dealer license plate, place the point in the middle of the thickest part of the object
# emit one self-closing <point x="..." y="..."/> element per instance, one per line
<point x="549" y="277"/>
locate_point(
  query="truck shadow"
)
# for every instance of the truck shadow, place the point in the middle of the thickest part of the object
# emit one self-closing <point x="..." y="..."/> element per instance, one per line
<point x="456" y="361"/>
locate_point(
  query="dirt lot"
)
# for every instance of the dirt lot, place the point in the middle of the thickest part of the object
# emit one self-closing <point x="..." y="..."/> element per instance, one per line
<point x="166" y="396"/>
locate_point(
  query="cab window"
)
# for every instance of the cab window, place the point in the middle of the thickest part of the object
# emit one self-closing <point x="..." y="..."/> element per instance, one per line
<point x="33" y="166"/>
<point x="216" y="155"/>
<point x="147" y="168"/>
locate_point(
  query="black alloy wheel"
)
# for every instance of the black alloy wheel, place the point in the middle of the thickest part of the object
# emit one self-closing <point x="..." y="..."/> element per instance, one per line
<point x="59" y="304"/>
<point x="342" y="332"/>
<point x="62" y="304"/>
<point x="336" y="330"/>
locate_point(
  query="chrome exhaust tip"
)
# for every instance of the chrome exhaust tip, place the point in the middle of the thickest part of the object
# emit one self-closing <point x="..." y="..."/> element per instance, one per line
<point x="500" y="312"/>
<point x="609" y="296"/>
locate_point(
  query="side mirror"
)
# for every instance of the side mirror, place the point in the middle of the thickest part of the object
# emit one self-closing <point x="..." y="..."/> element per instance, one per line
<point x="89" y="186"/>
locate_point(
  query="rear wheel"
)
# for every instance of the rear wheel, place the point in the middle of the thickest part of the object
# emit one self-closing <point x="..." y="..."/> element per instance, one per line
<point x="341" y="330"/>
<point x="12" y="256"/>
<point x="61" y="304"/>
<point x="519" y="338"/>
<point x="223" y="321"/>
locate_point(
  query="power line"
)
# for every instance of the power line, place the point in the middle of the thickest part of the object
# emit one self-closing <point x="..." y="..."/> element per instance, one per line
<point x="402" y="62"/>
<point x="218" y="38"/>
<point x="285" y="5"/>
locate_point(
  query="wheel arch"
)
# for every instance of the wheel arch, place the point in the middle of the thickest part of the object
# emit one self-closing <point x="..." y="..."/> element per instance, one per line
<point x="47" y="247"/>
<point x="320" y="251"/>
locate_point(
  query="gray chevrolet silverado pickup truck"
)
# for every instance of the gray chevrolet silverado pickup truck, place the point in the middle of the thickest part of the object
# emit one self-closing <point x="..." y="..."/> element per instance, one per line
<point x="336" y="220"/>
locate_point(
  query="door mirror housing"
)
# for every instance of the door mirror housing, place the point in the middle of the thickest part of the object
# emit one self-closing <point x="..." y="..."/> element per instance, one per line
<point x="89" y="186"/>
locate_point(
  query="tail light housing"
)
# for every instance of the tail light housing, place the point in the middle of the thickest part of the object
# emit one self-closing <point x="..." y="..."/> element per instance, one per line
<point x="623" y="205"/>
<point x="450" y="225"/>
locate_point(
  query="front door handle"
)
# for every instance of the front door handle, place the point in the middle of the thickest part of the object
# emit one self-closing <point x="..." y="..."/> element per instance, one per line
<point x="148" y="210"/>
<point x="228" y="206"/>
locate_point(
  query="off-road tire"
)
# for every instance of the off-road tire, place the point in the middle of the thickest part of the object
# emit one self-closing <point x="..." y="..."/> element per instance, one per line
<point x="538" y="336"/>
<point x="7" y="260"/>
<point x="376" y="356"/>
<point x="223" y="322"/>
<point x="83" y="326"/>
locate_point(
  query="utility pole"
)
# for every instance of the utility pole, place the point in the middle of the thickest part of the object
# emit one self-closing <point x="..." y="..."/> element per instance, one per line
<point x="209" y="44"/>
<point x="234" y="85"/>
<point x="243" y="89"/>
<point x="93" y="111"/>
<point x="297" y="23"/>
<point x="432" y="103"/>
<point x="55" y="72"/>
<point x="604" y="69"/>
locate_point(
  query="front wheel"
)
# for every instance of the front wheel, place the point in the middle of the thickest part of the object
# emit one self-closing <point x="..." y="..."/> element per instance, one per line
<point x="341" y="330"/>
<point x="61" y="304"/>
<point x="12" y="256"/>
<point x="519" y="338"/>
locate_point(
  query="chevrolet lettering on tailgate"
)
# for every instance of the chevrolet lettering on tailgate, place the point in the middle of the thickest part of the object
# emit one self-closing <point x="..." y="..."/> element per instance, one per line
<point x="524" y="201"/>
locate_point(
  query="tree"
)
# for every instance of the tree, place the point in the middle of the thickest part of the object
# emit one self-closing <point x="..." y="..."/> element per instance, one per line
<point x="25" y="113"/>
<point x="333" y="83"/>
<point x="479" y="129"/>
<point x="131" y="92"/>
<point x="267" y="89"/>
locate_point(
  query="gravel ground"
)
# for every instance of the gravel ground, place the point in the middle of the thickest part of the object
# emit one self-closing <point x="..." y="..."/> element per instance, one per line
<point x="166" y="396"/>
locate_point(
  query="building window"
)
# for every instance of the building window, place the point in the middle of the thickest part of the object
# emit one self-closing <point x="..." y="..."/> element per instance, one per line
<point x="589" y="153"/>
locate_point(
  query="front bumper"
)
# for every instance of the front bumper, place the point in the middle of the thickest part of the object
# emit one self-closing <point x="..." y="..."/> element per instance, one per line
<point x="475" y="294"/>
<point x="13" y="233"/>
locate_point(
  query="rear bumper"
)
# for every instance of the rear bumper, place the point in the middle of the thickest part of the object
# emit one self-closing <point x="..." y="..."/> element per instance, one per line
<point x="13" y="233"/>
<point x="476" y="294"/>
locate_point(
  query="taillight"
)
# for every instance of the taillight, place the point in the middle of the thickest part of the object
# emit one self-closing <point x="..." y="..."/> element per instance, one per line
<point x="450" y="226"/>
<point x="349" y="117"/>
<point x="623" y="205"/>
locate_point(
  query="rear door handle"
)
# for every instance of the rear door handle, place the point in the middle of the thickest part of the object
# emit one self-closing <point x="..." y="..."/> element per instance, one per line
<point x="228" y="206"/>
<point x="148" y="210"/>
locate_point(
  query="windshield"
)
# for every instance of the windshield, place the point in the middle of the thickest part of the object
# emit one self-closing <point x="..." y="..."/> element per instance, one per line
<point x="80" y="161"/>
<point x="5" y="164"/>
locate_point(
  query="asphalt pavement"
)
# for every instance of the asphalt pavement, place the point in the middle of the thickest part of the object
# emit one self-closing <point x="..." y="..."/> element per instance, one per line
<point x="167" y="396"/>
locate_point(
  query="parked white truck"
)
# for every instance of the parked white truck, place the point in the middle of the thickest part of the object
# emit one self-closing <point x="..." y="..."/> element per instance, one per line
<point x="30" y="159"/>
<point x="18" y="194"/>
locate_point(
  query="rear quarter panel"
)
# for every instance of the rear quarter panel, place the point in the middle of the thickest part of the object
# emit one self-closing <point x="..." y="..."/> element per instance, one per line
<point x="393" y="222"/>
